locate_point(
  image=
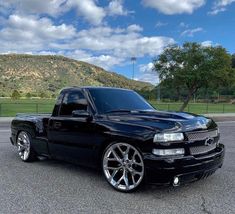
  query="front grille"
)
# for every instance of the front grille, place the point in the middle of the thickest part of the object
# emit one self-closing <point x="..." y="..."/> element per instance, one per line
<point x="198" y="136"/>
<point x="197" y="150"/>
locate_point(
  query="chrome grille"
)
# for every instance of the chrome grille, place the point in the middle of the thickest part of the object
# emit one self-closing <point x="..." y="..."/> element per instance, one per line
<point x="197" y="150"/>
<point x="197" y="136"/>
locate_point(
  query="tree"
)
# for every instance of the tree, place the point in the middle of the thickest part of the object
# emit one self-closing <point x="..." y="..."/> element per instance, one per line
<point x="194" y="66"/>
<point x="42" y="95"/>
<point x="28" y="95"/>
<point x="15" y="95"/>
<point x="233" y="61"/>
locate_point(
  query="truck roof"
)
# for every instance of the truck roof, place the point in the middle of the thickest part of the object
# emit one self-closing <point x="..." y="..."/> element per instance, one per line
<point x="92" y="87"/>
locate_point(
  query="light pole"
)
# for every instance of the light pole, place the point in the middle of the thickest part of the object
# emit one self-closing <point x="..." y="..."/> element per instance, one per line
<point x="133" y="59"/>
<point x="159" y="92"/>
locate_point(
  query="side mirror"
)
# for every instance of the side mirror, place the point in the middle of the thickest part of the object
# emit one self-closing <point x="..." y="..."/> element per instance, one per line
<point x="82" y="114"/>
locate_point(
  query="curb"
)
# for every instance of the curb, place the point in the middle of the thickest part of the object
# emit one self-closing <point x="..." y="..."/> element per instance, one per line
<point x="6" y="119"/>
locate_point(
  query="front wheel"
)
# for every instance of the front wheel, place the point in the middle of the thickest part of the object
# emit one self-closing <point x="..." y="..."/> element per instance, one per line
<point x="123" y="167"/>
<point x="24" y="146"/>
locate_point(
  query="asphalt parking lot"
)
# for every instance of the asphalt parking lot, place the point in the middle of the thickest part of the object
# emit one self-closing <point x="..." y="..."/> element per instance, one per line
<point x="49" y="186"/>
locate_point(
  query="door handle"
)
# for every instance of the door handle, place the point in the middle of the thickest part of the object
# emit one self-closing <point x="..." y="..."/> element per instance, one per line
<point x="57" y="125"/>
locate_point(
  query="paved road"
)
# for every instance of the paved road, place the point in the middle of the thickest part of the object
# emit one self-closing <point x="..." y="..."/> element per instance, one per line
<point x="56" y="187"/>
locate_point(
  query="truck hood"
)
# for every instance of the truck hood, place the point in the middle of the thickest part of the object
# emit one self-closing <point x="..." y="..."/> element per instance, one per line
<point x="165" y="121"/>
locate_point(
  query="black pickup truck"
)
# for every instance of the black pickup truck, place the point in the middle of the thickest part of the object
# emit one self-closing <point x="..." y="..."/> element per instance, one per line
<point x="117" y="131"/>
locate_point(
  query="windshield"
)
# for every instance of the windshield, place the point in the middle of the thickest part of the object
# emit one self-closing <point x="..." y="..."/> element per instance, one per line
<point x="108" y="100"/>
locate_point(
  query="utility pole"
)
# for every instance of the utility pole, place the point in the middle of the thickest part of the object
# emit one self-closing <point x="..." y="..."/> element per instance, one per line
<point x="133" y="59"/>
<point x="159" y="92"/>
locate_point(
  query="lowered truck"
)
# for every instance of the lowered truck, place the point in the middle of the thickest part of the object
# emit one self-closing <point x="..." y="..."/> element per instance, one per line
<point x="116" y="130"/>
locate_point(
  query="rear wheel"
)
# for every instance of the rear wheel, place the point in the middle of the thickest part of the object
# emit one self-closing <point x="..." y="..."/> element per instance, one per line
<point x="25" y="149"/>
<point x="123" y="167"/>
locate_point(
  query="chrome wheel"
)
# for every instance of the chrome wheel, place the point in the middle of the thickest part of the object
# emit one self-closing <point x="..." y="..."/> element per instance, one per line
<point x="123" y="166"/>
<point x="23" y="145"/>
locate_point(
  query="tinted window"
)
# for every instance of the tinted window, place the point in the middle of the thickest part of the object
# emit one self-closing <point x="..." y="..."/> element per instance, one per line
<point x="115" y="99"/>
<point x="73" y="101"/>
<point x="57" y="104"/>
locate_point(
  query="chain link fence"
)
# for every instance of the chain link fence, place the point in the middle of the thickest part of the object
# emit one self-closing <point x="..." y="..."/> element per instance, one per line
<point x="11" y="109"/>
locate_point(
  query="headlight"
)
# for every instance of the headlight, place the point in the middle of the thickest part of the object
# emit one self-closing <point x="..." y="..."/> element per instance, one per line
<point x="166" y="152"/>
<point x="166" y="137"/>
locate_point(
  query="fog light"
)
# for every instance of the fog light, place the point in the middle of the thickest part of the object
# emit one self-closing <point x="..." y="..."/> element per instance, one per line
<point x="176" y="181"/>
<point x="166" y="152"/>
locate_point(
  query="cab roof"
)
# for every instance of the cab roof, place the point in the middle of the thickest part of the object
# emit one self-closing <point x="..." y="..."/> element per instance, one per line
<point x="92" y="87"/>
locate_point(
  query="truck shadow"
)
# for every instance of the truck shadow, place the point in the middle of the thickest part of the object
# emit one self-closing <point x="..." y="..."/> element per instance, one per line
<point x="96" y="178"/>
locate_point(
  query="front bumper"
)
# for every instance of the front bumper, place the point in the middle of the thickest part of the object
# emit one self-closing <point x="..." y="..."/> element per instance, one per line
<point x="188" y="168"/>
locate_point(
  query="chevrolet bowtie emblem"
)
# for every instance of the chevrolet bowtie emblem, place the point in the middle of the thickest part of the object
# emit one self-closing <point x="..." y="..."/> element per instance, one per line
<point x="209" y="141"/>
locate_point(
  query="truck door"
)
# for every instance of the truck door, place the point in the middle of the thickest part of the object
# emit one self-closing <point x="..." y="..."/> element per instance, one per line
<point x="71" y="137"/>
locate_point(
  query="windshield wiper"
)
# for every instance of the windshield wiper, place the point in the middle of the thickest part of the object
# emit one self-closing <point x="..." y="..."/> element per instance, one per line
<point x="127" y="111"/>
<point x="118" y="110"/>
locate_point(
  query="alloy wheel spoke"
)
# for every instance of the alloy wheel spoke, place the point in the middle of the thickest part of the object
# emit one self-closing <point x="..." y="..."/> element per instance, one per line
<point x="20" y="148"/>
<point x="120" y="179"/>
<point x="136" y="172"/>
<point x="133" y="178"/>
<point x="116" y="155"/>
<point x="126" y="179"/>
<point x="136" y="163"/>
<point x="114" y="173"/>
<point x="122" y="152"/>
<point x="112" y="168"/>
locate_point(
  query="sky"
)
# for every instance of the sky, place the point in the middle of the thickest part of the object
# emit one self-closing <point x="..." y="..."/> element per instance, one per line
<point x="108" y="33"/>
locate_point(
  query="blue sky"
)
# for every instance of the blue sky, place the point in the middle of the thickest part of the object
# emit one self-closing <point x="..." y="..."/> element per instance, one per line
<point x="109" y="32"/>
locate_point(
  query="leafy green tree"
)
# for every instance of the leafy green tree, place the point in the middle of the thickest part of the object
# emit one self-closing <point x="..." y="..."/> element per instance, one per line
<point x="194" y="66"/>
<point x="28" y="95"/>
<point x="15" y="95"/>
<point x="233" y="61"/>
<point x="42" y="95"/>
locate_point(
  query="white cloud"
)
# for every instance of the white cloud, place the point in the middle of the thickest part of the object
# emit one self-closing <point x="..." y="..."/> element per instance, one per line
<point x="115" y="7"/>
<point x="104" y="61"/>
<point x="88" y="9"/>
<point x="113" y="46"/>
<point x="161" y="24"/>
<point x="102" y="45"/>
<point x="191" y="32"/>
<point x="183" y="25"/>
<point x="220" y="6"/>
<point x="146" y="67"/>
<point x="122" y="43"/>
<point x="209" y="43"/>
<point x="147" y="74"/>
<point x="28" y="33"/>
<point x="50" y="7"/>
<point x="134" y="28"/>
<point x="171" y="7"/>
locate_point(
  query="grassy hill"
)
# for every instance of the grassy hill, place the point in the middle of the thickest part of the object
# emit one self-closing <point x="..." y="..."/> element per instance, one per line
<point x="37" y="75"/>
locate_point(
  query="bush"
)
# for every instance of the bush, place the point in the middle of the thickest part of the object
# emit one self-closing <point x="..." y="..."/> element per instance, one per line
<point x="15" y="95"/>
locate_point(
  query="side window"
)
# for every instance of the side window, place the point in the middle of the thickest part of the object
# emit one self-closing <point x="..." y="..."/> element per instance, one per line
<point x="73" y="101"/>
<point x="57" y="104"/>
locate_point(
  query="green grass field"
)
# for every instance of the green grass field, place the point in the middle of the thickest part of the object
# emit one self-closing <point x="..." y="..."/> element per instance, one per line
<point x="197" y="108"/>
<point x="10" y="107"/>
